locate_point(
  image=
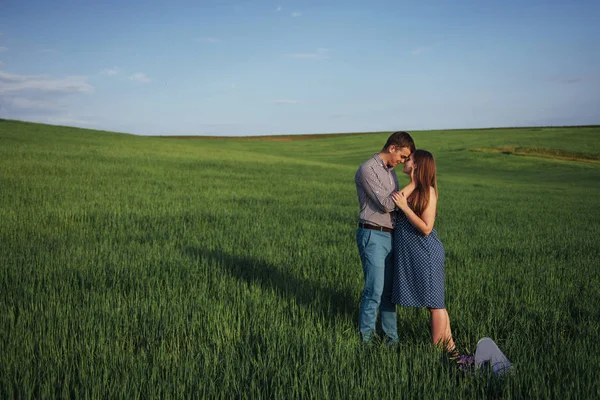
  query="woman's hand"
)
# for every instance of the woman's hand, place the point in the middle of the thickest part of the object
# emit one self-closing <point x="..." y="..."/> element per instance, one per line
<point x="400" y="200"/>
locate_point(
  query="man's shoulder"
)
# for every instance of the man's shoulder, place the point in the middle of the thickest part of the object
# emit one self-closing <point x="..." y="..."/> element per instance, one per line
<point x="364" y="169"/>
<point x="368" y="164"/>
<point x="368" y="171"/>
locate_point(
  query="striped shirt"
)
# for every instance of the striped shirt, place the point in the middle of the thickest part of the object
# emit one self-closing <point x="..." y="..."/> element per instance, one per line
<point x="375" y="183"/>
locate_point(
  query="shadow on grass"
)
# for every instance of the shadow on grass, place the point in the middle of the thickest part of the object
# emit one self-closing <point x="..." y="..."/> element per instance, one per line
<point x="324" y="298"/>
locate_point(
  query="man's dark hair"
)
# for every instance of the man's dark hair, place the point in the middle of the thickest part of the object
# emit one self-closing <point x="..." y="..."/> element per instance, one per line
<point x="400" y="139"/>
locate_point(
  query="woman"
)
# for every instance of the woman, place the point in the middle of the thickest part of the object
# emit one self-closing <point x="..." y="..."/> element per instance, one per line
<point x="418" y="252"/>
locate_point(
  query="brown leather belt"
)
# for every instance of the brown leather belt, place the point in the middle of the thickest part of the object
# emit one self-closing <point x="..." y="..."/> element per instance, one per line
<point x="375" y="227"/>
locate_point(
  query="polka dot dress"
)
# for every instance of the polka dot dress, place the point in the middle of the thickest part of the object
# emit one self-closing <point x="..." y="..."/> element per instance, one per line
<point x="418" y="266"/>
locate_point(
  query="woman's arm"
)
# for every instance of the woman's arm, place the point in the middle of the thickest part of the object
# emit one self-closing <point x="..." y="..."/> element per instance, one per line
<point x="425" y="222"/>
<point x="408" y="189"/>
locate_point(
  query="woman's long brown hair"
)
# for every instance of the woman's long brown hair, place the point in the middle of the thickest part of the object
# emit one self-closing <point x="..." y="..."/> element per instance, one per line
<point x="425" y="177"/>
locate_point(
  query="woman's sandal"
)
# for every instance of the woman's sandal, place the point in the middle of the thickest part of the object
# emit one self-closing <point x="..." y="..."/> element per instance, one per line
<point x="464" y="362"/>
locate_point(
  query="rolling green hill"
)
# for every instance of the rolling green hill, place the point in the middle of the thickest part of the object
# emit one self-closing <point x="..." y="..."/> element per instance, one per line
<point x="153" y="266"/>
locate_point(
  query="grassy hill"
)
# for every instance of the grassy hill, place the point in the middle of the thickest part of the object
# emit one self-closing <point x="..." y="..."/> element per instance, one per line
<point x="151" y="266"/>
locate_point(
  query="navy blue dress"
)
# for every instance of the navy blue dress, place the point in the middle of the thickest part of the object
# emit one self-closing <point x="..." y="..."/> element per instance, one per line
<point x="418" y="266"/>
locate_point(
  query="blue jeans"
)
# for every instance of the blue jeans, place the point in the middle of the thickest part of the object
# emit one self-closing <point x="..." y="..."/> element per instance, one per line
<point x="375" y="249"/>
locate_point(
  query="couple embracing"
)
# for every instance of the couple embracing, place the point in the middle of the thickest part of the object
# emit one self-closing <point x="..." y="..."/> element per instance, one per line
<point x="402" y="256"/>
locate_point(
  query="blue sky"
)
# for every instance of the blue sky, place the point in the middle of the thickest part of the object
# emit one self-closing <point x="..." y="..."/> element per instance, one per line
<point x="282" y="67"/>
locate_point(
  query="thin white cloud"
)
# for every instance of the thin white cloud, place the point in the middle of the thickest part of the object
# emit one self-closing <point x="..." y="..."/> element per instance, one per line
<point x="34" y="104"/>
<point x="419" y="50"/>
<point x="296" y="14"/>
<point x="110" y="71"/>
<point x="49" y="51"/>
<point x="1" y="63"/>
<point x="3" y="49"/>
<point x="11" y="83"/>
<point x="39" y="98"/>
<point x="11" y="78"/>
<point x="286" y="101"/>
<point x="320" y="54"/>
<point x="279" y="8"/>
<point x="140" y="77"/>
<point x="209" y="40"/>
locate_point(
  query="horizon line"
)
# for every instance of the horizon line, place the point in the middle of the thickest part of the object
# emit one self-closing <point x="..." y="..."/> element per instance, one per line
<point x="298" y="135"/>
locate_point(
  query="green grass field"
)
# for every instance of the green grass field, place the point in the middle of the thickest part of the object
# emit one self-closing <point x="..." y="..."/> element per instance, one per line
<point x="143" y="267"/>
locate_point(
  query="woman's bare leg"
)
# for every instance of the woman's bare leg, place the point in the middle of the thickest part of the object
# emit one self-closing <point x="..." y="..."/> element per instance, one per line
<point x="441" y="334"/>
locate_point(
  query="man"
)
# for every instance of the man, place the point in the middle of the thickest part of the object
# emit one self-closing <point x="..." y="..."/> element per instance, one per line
<point x="375" y="182"/>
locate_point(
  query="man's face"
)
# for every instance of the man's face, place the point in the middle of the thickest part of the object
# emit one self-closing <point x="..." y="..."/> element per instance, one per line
<point x="398" y="155"/>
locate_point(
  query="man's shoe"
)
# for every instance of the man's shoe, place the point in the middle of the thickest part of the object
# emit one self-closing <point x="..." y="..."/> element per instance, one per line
<point x="391" y="342"/>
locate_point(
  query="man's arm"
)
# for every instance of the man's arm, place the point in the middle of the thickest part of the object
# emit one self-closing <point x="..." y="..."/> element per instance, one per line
<point x="382" y="196"/>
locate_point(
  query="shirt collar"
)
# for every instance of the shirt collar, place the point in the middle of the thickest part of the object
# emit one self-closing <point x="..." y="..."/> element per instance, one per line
<point x="380" y="162"/>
